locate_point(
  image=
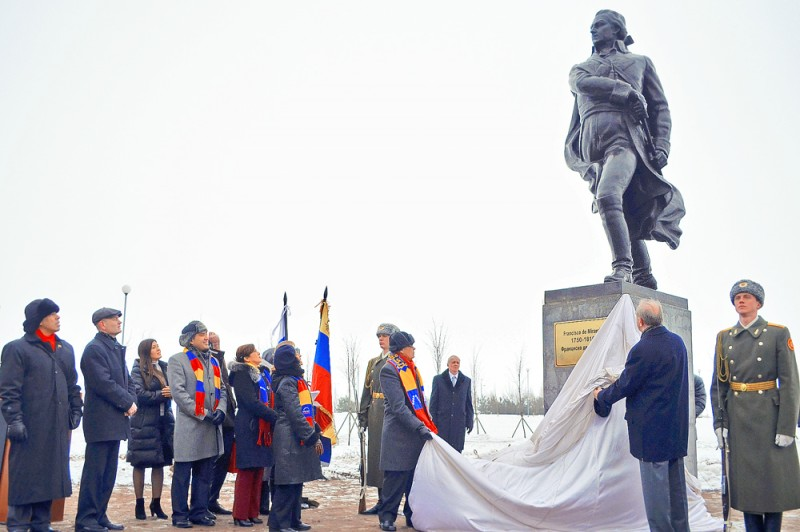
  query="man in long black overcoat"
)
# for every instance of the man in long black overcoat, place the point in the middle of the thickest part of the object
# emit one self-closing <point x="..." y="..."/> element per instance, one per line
<point x="451" y="404"/>
<point x="41" y="402"/>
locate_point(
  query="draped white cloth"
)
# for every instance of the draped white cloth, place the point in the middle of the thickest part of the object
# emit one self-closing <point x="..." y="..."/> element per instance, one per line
<point x="575" y="473"/>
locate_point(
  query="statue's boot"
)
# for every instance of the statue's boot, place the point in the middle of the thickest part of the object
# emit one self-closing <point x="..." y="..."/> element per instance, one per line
<point x="642" y="274"/>
<point x="619" y="239"/>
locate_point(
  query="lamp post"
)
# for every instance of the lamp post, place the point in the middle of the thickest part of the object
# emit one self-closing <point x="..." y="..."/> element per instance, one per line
<point x="126" y="289"/>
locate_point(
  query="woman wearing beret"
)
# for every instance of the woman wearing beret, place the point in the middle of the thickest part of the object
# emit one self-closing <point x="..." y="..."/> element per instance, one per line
<point x="296" y="443"/>
<point x="152" y="426"/>
<point x="253" y="429"/>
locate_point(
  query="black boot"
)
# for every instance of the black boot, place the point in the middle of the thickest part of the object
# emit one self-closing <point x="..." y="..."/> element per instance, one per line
<point x="642" y="274"/>
<point x="619" y="239"/>
<point x="155" y="508"/>
<point x="263" y="507"/>
<point x="140" y="510"/>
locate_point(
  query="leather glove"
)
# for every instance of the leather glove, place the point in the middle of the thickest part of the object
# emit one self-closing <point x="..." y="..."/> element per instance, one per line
<point x="721" y="433"/>
<point x="469" y="430"/>
<point x="312" y="440"/>
<point x="781" y="440"/>
<point x="217" y="417"/>
<point x="17" y="432"/>
<point x="75" y="419"/>
<point x="424" y="433"/>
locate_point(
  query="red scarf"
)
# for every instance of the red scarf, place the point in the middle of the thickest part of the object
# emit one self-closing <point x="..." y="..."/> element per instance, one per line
<point x="50" y="340"/>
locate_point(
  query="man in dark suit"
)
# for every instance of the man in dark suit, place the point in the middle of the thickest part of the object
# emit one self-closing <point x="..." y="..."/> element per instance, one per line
<point x="110" y="402"/>
<point x="451" y="404"/>
<point x="655" y="382"/>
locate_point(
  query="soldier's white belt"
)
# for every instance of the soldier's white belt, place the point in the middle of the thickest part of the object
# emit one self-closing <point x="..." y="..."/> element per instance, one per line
<point x="376" y="395"/>
<point x="753" y="386"/>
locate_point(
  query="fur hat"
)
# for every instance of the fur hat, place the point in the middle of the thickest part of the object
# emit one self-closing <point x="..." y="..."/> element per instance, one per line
<point x="747" y="286"/>
<point x="400" y="340"/>
<point x="35" y="312"/>
<point x="387" y="329"/>
<point x="190" y="331"/>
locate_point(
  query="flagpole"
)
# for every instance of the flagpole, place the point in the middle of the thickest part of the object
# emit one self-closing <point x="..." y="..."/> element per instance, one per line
<point x="285" y="316"/>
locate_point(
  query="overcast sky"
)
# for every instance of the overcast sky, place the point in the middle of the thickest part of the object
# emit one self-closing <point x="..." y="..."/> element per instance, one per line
<point x="408" y="155"/>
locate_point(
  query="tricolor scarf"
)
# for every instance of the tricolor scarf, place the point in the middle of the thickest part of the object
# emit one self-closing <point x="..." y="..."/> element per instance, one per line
<point x="415" y="391"/>
<point x="200" y="387"/>
<point x="306" y="404"/>
<point x="266" y="396"/>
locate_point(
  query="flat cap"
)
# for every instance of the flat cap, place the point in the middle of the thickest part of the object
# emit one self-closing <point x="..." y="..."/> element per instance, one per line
<point x="105" y="312"/>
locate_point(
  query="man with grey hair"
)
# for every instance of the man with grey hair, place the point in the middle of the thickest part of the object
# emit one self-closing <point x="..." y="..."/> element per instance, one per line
<point x="755" y="397"/>
<point x="655" y="384"/>
<point x="371" y="410"/>
<point x="618" y="141"/>
<point x="451" y="404"/>
<point x="195" y="378"/>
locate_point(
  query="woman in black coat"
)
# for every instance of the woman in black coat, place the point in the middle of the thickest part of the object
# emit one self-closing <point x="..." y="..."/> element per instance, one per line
<point x="253" y="431"/>
<point x="296" y="442"/>
<point x="152" y="426"/>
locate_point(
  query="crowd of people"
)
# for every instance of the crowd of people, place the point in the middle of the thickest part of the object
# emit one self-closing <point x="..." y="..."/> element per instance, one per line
<point x="264" y="405"/>
<point x="755" y="397"/>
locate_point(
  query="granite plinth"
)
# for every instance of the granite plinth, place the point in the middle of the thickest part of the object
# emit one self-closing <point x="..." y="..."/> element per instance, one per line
<point x="597" y="301"/>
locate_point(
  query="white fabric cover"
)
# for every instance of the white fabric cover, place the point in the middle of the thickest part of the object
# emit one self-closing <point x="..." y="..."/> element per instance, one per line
<point x="575" y="473"/>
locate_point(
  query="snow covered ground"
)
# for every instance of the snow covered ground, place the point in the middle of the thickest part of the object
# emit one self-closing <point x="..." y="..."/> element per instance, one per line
<point x="496" y="433"/>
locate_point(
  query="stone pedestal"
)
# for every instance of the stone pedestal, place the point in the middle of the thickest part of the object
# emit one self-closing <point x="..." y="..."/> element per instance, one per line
<point x="573" y="311"/>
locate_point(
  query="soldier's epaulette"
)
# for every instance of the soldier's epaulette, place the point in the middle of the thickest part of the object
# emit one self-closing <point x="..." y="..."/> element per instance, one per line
<point x="725" y="330"/>
<point x="778" y="325"/>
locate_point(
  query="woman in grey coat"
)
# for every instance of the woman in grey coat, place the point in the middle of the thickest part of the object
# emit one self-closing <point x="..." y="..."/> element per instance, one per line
<point x="295" y="443"/>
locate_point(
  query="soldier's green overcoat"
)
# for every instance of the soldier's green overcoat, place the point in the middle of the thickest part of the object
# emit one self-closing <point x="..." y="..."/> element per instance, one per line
<point x="370" y="413"/>
<point x="763" y="476"/>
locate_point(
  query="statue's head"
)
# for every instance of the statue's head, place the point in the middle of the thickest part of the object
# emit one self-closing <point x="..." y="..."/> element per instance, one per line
<point x="609" y="26"/>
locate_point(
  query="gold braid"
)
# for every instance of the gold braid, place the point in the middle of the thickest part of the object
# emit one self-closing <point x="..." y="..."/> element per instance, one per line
<point x="723" y="369"/>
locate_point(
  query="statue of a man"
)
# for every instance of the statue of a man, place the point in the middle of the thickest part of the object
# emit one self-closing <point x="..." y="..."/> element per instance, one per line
<point x="619" y="142"/>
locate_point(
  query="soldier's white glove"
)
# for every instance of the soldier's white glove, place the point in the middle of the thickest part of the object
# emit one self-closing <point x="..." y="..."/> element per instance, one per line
<point x="721" y="433"/>
<point x="781" y="440"/>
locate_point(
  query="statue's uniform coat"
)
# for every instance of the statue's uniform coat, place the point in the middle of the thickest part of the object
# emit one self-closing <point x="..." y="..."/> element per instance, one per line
<point x="763" y="476"/>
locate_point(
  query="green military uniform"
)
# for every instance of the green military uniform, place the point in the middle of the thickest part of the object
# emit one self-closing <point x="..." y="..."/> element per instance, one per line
<point x="763" y="476"/>
<point x="370" y="414"/>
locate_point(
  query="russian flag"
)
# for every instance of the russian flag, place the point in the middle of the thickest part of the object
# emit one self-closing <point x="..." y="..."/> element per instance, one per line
<point x="321" y="383"/>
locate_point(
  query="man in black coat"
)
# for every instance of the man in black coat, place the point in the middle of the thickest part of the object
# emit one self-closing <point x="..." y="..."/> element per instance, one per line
<point x="655" y="382"/>
<point x="220" y="469"/>
<point x="41" y="402"/>
<point x="451" y="404"/>
<point x="110" y="401"/>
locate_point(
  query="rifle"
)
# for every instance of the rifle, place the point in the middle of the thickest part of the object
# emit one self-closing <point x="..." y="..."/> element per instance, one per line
<point x="362" y="496"/>
<point x="726" y="507"/>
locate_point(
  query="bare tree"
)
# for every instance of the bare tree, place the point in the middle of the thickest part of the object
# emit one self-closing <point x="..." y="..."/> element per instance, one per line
<point x="519" y="384"/>
<point x="438" y="340"/>
<point x="519" y="369"/>
<point x="476" y="351"/>
<point x="352" y="370"/>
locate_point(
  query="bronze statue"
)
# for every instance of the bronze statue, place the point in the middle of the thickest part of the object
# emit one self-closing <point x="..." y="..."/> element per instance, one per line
<point x="618" y="141"/>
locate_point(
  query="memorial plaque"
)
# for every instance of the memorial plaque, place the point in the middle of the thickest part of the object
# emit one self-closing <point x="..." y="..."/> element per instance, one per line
<point x="571" y="339"/>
